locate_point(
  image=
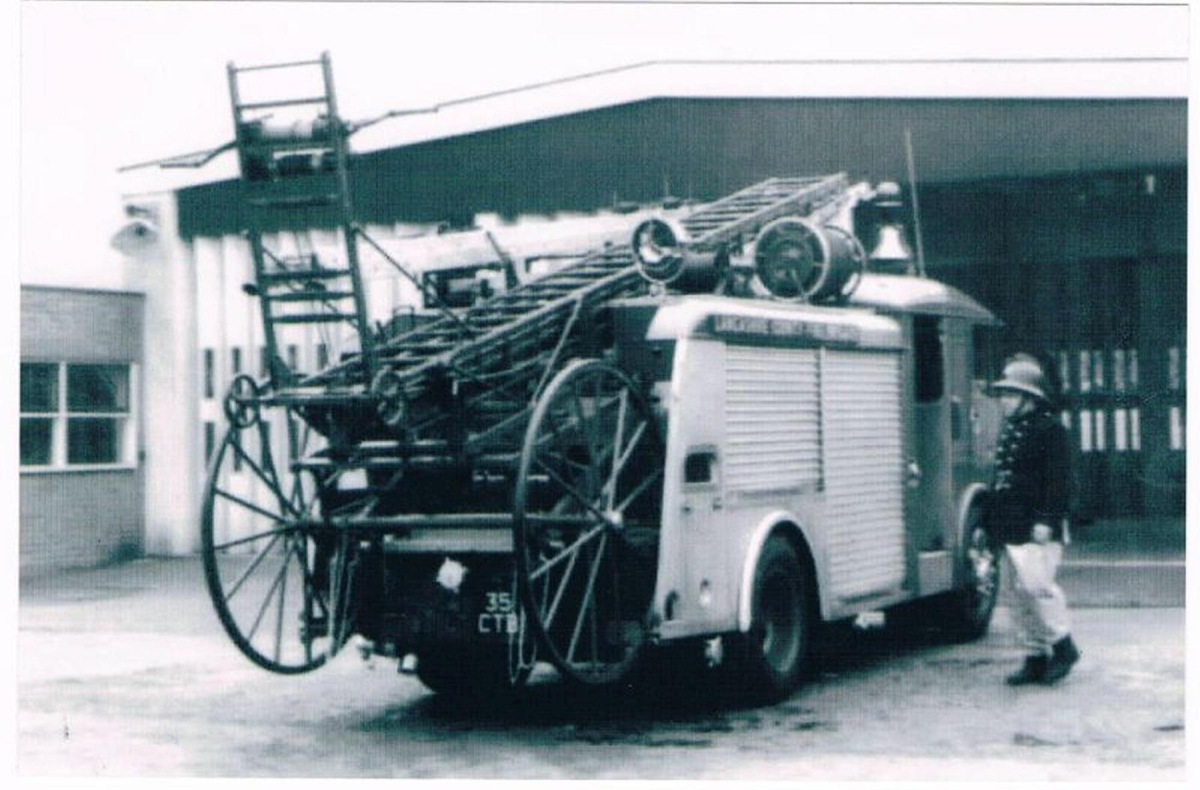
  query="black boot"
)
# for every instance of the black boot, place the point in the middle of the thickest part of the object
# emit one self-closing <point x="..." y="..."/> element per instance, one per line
<point x="1065" y="656"/>
<point x="1031" y="671"/>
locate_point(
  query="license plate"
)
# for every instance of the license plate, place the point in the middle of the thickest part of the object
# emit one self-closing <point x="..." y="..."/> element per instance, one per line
<point x="499" y="615"/>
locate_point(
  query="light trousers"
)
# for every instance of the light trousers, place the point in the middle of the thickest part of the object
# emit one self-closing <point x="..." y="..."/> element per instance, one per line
<point x="1039" y="606"/>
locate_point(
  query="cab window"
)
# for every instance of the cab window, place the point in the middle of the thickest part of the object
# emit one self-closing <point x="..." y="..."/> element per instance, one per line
<point x="929" y="367"/>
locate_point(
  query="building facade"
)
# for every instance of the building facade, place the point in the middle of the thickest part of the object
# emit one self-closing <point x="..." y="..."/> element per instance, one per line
<point x="1061" y="205"/>
<point x="82" y="476"/>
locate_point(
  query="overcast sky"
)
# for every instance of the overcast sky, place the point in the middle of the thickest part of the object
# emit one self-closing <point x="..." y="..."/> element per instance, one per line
<point x="107" y="84"/>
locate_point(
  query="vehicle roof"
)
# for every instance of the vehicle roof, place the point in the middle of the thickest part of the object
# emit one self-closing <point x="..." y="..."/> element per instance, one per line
<point x="895" y="293"/>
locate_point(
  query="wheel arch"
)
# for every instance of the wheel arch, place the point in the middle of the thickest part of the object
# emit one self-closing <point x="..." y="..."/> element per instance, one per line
<point x="786" y="524"/>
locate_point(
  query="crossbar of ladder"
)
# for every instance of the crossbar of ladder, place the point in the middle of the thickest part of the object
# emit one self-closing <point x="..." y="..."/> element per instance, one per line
<point x="270" y="66"/>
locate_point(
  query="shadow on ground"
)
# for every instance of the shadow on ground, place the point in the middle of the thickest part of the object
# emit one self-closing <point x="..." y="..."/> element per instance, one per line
<point x="673" y="689"/>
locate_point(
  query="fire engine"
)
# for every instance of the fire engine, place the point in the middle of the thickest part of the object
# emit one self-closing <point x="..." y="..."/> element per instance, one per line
<point x="731" y="428"/>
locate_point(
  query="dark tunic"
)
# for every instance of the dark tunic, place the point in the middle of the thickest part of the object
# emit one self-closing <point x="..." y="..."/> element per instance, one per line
<point x="1032" y="482"/>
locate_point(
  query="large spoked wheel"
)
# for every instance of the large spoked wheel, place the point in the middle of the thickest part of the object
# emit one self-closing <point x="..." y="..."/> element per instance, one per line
<point x="587" y="509"/>
<point x="280" y="581"/>
<point x="768" y="661"/>
<point x="969" y="610"/>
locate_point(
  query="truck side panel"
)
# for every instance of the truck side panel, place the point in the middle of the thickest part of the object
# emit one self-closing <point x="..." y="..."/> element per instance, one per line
<point x="863" y="452"/>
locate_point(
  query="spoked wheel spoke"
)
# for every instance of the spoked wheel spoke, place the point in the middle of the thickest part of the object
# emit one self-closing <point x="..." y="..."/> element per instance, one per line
<point x="280" y="578"/>
<point x="587" y="509"/>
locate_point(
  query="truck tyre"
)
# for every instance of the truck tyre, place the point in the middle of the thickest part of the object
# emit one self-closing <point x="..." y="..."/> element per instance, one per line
<point x="768" y="662"/>
<point x="966" y="613"/>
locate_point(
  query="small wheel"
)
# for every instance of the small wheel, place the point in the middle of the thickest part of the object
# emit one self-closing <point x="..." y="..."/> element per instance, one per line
<point x="968" y="612"/>
<point x="280" y="580"/>
<point x="392" y="408"/>
<point x="769" y="660"/>
<point x="241" y="404"/>
<point x="586" y="515"/>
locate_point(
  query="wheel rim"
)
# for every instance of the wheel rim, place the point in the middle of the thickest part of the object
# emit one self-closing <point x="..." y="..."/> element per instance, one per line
<point x="982" y="567"/>
<point x="587" y="508"/>
<point x="279" y="585"/>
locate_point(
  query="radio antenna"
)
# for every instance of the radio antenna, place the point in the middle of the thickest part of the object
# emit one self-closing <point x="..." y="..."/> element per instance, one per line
<point x="912" y="186"/>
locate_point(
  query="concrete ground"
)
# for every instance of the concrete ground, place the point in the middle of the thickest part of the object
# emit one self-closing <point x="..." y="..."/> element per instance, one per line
<point x="124" y="671"/>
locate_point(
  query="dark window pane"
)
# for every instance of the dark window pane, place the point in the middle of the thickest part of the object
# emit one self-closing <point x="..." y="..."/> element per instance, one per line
<point x="35" y="441"/>
<point x="322" y="356"/>
<point x="208" y="372"/>
<point x="97" y="388"/>
<point x="927" y="342"/>
<point x="39" y="386"/>
<point x="210" y="438"/>
<point x="236" y="355"/>
<point x="92" y="440"/>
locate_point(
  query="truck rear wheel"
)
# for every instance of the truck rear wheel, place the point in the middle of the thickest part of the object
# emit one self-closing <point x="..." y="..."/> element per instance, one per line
<point x="769" y="660"/>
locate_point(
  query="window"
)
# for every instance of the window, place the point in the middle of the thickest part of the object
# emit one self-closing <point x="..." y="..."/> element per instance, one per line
<point x="1173" y="367"/>
<point x="235" y="356"/>
<point x="210" y="440"/>
<point x="39" y="404"/>
<point x="1177" y="430"/>
<point x="1121" y="429"/>
<point x="1063" y="359"/>
<point x="1101" y="431"/>
<point x="1119" y="369"/>
<point x="322" y="356"/>
<point x="209" y="373"/>
<point x="927" y="341"/>
<point x="1098" y="370"/>
<point x="1085" y="431"/>
<point x="75" y="415"/>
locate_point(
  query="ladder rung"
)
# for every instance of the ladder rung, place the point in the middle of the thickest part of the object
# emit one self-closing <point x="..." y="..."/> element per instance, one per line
<point x="267" y="66"/>
<point x="421" y="348"/>
<point x="312" y="318"/>
<point x="514" y="306"/>
<point x="304" y="274"/>
<point x="295" y="201"/>
<point x="508" y="308"/>
<point x="263" y="105"/>
<point x="264" y="147"/>
<point x="316" y="397"/>
<point x="317" y="464"/>
<point x="309" y="296"/>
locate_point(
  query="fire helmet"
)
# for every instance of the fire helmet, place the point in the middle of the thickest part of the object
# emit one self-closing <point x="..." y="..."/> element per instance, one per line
<point x="1022" y="373"/>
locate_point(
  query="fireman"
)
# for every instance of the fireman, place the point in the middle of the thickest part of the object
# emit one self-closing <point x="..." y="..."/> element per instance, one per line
<point x="1028" y="516"/>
